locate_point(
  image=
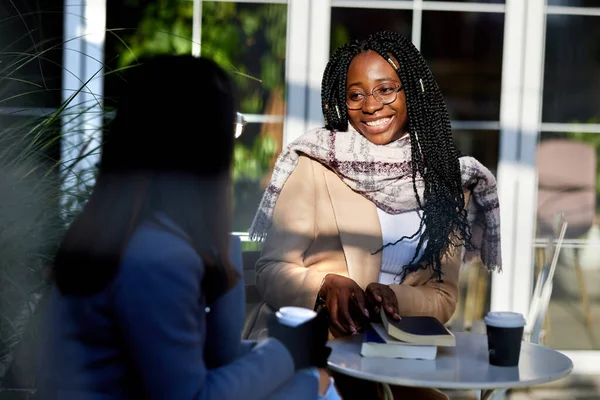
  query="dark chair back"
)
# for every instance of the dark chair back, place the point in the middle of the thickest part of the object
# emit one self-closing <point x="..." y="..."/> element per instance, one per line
<point x="250" y="258"/>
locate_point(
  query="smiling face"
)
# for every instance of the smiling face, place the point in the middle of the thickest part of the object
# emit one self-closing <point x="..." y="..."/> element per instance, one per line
<point x="379" y="123"/>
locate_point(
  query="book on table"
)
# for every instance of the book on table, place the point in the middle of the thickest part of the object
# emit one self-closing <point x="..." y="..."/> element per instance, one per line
<point x="409" y="337"/>
<point x="418" y="330"/>
<point x="377" y="343"/>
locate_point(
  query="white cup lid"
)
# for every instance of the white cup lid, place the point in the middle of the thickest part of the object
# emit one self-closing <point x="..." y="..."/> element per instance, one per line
<point x="297" y="313"/>
<point x="504" y="319"/>
<point x="294" y="316"/>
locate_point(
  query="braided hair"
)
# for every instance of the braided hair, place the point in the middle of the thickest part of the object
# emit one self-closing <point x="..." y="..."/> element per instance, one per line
<point x="433" y="154"/>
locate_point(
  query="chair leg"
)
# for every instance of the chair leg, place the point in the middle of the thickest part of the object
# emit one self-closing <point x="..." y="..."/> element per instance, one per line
<point x="470" y="297"/>
<point x="541" y="260"/>
<point x="585" y="302"/>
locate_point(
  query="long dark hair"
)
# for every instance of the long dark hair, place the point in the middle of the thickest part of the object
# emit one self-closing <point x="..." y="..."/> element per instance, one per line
<point x="168" y="152"/>
<point x="433" y="153"/>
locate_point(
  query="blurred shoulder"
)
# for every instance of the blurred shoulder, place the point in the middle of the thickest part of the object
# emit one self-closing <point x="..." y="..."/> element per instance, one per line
<point x="160" y="247"/>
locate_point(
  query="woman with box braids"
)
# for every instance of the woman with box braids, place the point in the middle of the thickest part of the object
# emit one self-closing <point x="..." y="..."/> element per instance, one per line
<point x="444" y="214"/>
<point x="377" y="210"/>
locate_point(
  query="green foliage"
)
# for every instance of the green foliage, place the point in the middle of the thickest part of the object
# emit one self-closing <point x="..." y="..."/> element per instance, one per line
<point x="246" y="39"/>
<point x="165" y="29"/>
<point x="339" y="37"/>
<point x="232" y="35"/>
<point x="31" y="221"/>
<point x="37" y="204"/>
<point x="252" y="163"/>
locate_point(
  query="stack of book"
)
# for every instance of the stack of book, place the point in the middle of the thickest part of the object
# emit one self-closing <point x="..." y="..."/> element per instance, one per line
<point x="415" y="337"/>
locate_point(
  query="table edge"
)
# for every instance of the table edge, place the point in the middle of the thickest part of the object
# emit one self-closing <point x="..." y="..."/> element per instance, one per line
<point x="450" y="385"/>
<point x="454" y="385"/>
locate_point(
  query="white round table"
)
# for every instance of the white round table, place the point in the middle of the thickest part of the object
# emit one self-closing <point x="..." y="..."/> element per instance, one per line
<point x="465" y="366"/>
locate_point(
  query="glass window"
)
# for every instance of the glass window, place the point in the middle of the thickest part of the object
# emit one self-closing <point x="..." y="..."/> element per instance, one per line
<point x="31" y="56"/>
<point x="464" y="52"/>
<point x="247" y="39"/>
<point x="568" y="174"/>
<point x="139" y="28"/>
<point x="358" y="23"/>
<point x="572" y="69"/>
<point x="574" y="3"/>
<point x="481" y="144"/>
<point x="254" y="158"/>
<point x="250" y="38"/>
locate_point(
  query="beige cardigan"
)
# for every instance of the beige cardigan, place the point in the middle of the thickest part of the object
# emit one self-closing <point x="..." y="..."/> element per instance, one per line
<point x="321" y="226"/>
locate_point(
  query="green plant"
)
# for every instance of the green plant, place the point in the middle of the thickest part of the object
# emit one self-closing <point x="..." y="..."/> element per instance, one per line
<point x="31" y="224"/>
<point x="41" y="193"/>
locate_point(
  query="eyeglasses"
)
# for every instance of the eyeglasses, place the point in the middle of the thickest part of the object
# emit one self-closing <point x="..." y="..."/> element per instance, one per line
<point x="385" y="93"/>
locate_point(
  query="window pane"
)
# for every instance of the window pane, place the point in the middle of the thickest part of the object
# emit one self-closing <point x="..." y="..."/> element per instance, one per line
<point x="31" y="55"/>
<point x="358" y="23"/>
<point x="574" y="3"/>
<point x="255" y="155"/>
<point x="568" y="177"/>
<point x="247" y="39"/>
<point x="572" y="69"/>
<point x="483" y="145"/>
<point x="251" y="38"/>
<point x="464" y="52"/>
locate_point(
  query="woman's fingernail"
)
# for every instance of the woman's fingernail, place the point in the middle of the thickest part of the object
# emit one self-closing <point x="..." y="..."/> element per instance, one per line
<point x="390" y="309"/>
<point x="377" y="298"/>
<point x="366" y="313"/>
<point x="396" y="316"/>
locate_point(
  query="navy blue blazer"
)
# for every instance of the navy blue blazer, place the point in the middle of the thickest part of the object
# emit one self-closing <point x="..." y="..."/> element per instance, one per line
<point x="149" y="335"/>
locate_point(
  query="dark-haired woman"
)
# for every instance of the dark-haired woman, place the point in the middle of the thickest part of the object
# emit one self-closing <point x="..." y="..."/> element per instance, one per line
<point x="146" y="303"/>
<point x="378" y="208"/>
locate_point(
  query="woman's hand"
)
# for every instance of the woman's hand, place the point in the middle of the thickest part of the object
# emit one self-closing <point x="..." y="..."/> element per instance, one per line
<point x="343" y="296"/>
<point x="382" y="296"/>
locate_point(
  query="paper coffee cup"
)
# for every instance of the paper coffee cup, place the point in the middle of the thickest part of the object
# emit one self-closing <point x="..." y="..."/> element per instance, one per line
<point x="504" y="333"/>
<point x="294" y="316"/>
<point x="504" y="319"/>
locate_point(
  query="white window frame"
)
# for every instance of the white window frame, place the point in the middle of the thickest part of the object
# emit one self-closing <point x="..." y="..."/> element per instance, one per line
<point x="83" y="82"/>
